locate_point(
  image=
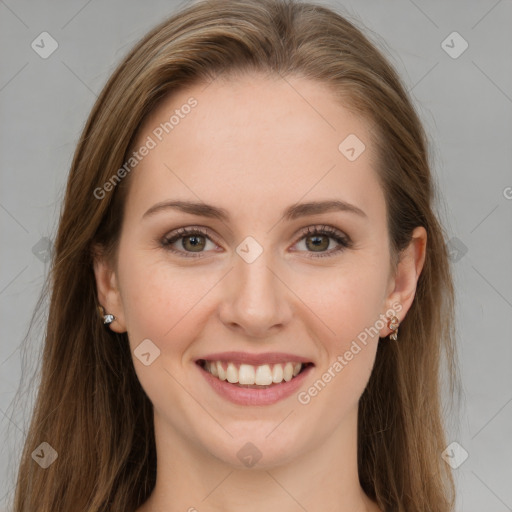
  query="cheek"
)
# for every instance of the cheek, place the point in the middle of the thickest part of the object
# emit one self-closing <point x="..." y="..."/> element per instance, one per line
<point x="347" y="299"/>
<point x="342" y="376"/>
<point x="345" y="310"/>
<point x="162" y="302"/>
<point x="146" y="301"/>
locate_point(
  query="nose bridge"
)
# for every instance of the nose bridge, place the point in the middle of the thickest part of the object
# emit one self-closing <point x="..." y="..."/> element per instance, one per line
<point x="256" y="300"/>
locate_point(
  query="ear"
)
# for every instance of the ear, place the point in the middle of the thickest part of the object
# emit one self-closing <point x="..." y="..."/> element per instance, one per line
<point x="402" y="285"/>
<point x="107" y="288"/>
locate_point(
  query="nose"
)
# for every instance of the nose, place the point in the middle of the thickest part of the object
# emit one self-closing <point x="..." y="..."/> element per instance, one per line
<point x="256" y="301"/>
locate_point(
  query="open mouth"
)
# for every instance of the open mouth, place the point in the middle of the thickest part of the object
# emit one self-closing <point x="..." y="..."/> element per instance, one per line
<point x="253" y="376"/>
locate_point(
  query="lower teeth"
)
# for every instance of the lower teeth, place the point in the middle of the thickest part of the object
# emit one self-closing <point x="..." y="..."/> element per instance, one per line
<point x="252" y="386"/>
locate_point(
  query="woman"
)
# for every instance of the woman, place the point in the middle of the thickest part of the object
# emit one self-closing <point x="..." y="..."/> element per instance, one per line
<point x="251" y="293"/>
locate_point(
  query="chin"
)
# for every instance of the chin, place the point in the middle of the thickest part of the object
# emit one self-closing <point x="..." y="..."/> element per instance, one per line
<point x="259" y="450"/>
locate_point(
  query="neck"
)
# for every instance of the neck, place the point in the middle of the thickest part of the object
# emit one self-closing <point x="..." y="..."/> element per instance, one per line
<point x="323" y="478"/>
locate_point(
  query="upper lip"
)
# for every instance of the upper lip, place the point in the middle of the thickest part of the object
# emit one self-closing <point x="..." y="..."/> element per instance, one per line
<point x="255" y="359"/>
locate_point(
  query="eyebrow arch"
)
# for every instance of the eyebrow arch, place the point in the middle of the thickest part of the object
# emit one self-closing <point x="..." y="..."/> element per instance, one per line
<point x="292" y="212"/>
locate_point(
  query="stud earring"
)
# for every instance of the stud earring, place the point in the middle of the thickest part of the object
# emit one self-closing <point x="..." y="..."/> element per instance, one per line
<point x="393" y="325"/>
<point x="107" y="317"/>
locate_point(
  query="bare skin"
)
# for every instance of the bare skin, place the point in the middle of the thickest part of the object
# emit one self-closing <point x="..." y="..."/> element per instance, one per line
<point x="254" y="146"/>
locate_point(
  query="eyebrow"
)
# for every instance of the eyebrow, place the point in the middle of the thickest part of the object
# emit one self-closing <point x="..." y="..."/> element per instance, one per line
<point x="291" y="213"/>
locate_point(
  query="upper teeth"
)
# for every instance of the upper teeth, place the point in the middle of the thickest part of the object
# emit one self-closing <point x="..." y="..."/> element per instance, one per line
<point x="263" y="375"/>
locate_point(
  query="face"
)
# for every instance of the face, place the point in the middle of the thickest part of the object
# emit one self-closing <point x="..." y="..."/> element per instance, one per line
<point x="256" y="284"/>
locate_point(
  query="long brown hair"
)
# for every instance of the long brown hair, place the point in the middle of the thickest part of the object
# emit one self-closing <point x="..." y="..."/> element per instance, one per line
<point x="90" y="406"/>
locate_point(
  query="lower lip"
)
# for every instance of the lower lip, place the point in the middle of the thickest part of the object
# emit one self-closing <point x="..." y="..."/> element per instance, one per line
<point x="253" y="396"/>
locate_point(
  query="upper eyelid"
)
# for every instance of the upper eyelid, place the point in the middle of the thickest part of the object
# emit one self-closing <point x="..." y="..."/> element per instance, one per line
<point x="189" y="231"/>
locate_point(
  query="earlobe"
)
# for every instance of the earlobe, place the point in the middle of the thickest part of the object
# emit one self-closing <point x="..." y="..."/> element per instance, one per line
<point x="404" y="283"/>
<point x="107" y="288"/>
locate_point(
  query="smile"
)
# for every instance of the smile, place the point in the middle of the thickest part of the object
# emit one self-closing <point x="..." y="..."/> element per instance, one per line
<point x="264" y="382"/>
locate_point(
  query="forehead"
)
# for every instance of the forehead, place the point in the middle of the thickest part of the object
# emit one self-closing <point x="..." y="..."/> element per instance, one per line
<point x="253" y="142"/>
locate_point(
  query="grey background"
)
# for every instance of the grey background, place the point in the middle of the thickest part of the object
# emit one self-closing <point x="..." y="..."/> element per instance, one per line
<point x="465" y="103"/>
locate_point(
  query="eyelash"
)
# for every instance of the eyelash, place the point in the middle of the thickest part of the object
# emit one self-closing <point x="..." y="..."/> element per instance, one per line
<point x="344" y="241"/>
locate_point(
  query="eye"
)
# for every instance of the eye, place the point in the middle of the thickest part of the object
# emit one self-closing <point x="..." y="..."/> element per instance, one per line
<point x="194" y="240"/>
<point x="317" y="238"/>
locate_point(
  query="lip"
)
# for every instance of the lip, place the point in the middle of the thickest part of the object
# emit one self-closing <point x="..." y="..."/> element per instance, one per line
<point x="252" y="396"/>
<point x="255" y="359"/>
